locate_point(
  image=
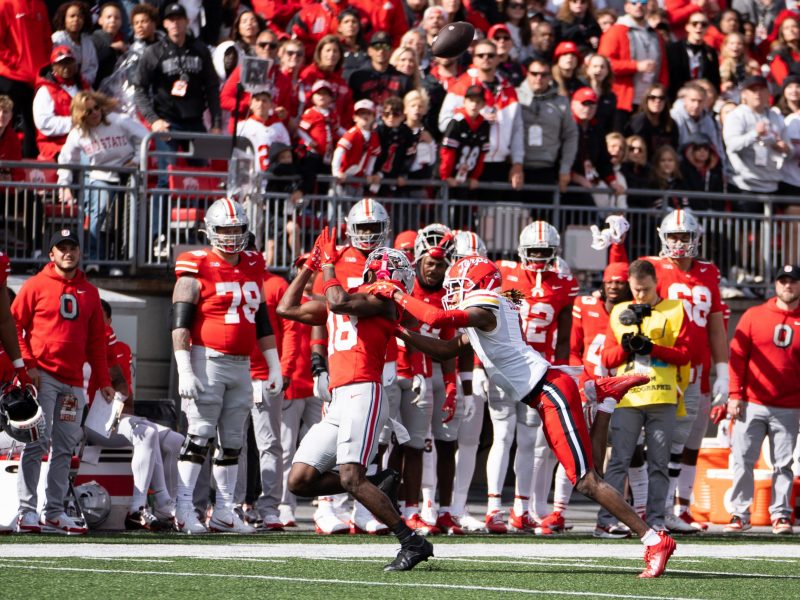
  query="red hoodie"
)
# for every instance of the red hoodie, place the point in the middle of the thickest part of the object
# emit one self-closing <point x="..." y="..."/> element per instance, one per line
<point x="24" y="39"/>
<point x="60" y="326"/>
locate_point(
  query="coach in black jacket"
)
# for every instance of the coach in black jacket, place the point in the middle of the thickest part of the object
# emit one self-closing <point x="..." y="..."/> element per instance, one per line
<point x="692" y="58"/>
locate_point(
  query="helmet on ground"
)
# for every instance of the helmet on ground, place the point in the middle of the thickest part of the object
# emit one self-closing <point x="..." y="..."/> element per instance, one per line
<point x="468" y="244"/>
<point x="21" y="416"/>
<point x="367" y="224"/>
<point x="539" y="244"/>
<point x="468" y="274"/>
<point x="680" y="221"/>
<point x="225" y="213"/>
<point x="95" y="503"/>
<point x="436" y="240"/>
<point x="391" y="264"/>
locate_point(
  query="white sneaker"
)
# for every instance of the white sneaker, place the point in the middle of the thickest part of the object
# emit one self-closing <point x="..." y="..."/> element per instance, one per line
<point x="363" y="521"/>
<point x="470" y="523"/>
<point x="287" y="515"/>
<point x="64" y="525"/>
<point x="227" y="521"/>
<point x="28" y="522"/>
<point x="327" y="523"/>
<point x="272" y="523"/>
<point x="676" y="524"/>
<point x="187" y="521"/>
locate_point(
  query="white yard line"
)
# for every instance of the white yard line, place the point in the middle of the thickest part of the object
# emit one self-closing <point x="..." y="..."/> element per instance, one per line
<point x="441" y="586"/>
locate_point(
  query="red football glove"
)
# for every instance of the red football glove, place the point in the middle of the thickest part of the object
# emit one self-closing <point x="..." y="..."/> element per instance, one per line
<point x="313" y="262"/>
<point x="449" y="406"/>
<point x="383" y="289"/>
<point x="326" y="242"/>
<point x="23" y="377"/>
<point x="718" y="413"/>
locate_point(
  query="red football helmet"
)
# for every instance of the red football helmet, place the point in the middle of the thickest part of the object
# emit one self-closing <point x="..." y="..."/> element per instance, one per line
<point x="468" y="274"/>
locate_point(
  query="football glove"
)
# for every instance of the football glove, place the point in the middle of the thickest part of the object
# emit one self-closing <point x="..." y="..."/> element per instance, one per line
<point x="719" y="391"/>
<point x="449" y="405"/>
<point x="188" y="383"/>
<point x="480" y="384"/>
<point x="419" y="388"/>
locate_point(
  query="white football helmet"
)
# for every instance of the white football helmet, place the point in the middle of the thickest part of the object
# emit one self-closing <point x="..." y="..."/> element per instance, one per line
<point x="95" y="503"/>
<point x="680" y="221"/>
<point x="226" y="212"/>
<point x="540" y="236"/>
<point x="435" y="239"/>
<point x="388" y="263"/>
<point x="468" y="274"/>
<point x="468" y="244"/>
<point x="21" y="417"/>
<point x="367" y="224"/>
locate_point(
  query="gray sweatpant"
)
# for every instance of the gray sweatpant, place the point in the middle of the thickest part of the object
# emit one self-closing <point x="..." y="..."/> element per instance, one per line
<point x="658" y="421"/>
<point x="307" y="411"/>
<point x="62" y="433"/>
<point x="781" y="425"/>
<point x="267" y="428"/>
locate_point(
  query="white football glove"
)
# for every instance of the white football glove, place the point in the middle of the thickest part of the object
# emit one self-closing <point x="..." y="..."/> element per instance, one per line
<point x="321" y="383"/>
<point x="419" y="388"/>
<point x="618" y="226"/>
<point x="275" y="379"/>
<point x="719" y="391"/>
<point x="188" y="383"/>
<point x="480" y="384"/>
<point x="469" y="406"/>
<point x="600" y="239"/>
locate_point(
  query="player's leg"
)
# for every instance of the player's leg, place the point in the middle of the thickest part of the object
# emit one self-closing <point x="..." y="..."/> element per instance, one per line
<point x="430" y="459"/>
<point x="445" y="436"/>
<point x="783" y="427"/>
<point x="691" y="451"/>
<point x="170" y="443"/>
<point x="638" y="478"/>
<point x="266" y="416"/>
<point x="526" y="462"/>
<point x="748" y="437"/>
<point x="503" y="413"/>
<point x="536" y="481"/>
<point x="291" y="416"/>
<point x="468" y="439"/>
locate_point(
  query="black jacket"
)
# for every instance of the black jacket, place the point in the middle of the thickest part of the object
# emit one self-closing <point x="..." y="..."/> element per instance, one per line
<point x="579" y="32"/>
<point x="654" y="136"/>
<point x="680" y="72"/>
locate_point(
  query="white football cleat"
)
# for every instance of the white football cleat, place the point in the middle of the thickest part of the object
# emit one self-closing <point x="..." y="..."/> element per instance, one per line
<point x="63" y="524"/>
<point x="271" y="523"/>
<point x="471" y="524"/>
<point x="327" y="523"/>
<point x="187" y="521"/>
<point x="429" y="514"/>
<point x="28" y="522"/>
<point x="677" y="525"/>
<point x="227" y="521"/>
<point x="287" y="516"/>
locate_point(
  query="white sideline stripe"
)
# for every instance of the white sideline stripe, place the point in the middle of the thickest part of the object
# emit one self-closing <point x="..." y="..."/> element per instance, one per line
<point x="600" y="550"/>
<point x="443" y="586"/>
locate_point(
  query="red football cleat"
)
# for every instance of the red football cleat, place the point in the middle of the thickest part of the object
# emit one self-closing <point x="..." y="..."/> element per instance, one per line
<point x="448" y="525"/>
<point x="554" y="521"/>
<point x="656" y="557"/>
<point x="617" y="387"/>
<point x="521" y="523"/>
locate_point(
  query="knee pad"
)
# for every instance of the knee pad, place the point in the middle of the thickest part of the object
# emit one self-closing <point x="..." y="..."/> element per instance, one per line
<point x="195" y="449"/>
<point x="226" y="457"/>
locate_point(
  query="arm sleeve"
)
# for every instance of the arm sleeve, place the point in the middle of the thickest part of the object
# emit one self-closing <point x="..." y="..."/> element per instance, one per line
<point x="569" y="142"/>
<point x="227" y="96"/>
<point x="450" y="103"/>
<point x="610" y="48"/>
<point x="142" y="81"/>
<point x="617" y="253"/>
<point x="435" y="317"/>
<point x="447" y="160"/>
<point x="736" y="135"/>
<point x="336" y="162"/>
<point x="211" y="84"/>
<point x="679" y="11"/>
<point x="70" y="153"/>
<point x="779" y="70"/>
<point x="738" y="357"/>
<point x="22" y="311"/>
<point x="44" y="116"/>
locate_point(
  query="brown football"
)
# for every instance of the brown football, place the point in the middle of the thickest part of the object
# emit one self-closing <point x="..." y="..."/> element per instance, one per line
<point x="453" y="39"/>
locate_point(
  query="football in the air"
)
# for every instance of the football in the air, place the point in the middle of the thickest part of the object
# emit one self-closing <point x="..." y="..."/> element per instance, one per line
<point x="453" y="39"/>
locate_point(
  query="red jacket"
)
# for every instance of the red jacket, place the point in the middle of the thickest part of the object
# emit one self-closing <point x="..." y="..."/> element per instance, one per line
<point x="278" y="12"/>
<point x="615" y="45"/>
<point x="285" y="96"/>
<point x="24" y="39"/>
<point x="356" y="153"/>
<point x="385" y="15"/>
<point x="50" y="146"/>
<point x="315" y="21"/>
<point x="60" y="326"/>
<point x="341" y="91"/>
<point x="319" y="132"/>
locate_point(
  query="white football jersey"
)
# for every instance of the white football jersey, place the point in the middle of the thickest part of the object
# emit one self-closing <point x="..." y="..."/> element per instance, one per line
<point x="510" y="362"/>
<point x="262" y="137"/>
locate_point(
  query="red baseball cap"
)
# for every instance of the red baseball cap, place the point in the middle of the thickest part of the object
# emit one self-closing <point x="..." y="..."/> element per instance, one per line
<point x="585" y="94"/>
<point x="61" y="52"/>
<point x="495" y="28"/>
<point x="566" y="48"/>
<point x="616" y="271"/>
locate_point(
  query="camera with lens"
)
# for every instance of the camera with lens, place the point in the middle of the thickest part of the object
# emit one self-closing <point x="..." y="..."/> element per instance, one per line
<point x="635" y="314"/>
<point x="637" y="343"/>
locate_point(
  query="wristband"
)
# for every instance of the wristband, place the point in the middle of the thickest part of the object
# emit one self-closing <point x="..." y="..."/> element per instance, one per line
<point x="330" y="283"/>
<point x="721" y="369"/>
<point x="273" y="360"/>
<point x="465" y="376"/>
<point x="18" y="363"/>
<point x="607" y="406"/>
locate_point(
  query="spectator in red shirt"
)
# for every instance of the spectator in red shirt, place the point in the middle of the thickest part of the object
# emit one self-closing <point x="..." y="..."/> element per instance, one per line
<point x="357" y="150"/>
<point x="278" y="13"/>
<point x="314" y="22"/>
<point x="787" y="52"/>
<point x="319" y="132"/>
<point x="327" y="65"/>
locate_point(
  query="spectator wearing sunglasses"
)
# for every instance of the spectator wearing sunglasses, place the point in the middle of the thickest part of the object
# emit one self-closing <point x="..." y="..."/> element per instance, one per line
<point x="679" y="13"/>
<point x="398" y="145"/>
<point x="507" y="64"/>
<point x="244" y="38"/>
<point x="653" y="122"/>
<point x="638" y="59"/>
<point x="380" y="79"/>
<point x="691" y="58"/>
<point x="575" y="22"/>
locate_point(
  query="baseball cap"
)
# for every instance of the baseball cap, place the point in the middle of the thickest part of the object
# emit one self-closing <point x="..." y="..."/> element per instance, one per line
<point x="364" y="105"/>
<point x="566" y="48"/>
<point x="789" y="79"/>
<point x="495" y="28"/>
<point x="276" y="148"/>
<point x="616" y="271"/>
<point x="790" y="271"/>
<point x="585" y="94"/>
<point x="174" y="9"/>
<point x="754" y="81"/>
<point x="380" y="37"/>
<point x="320" y="84"/>
<point x="64" y="235"/>
<point x="61" y="52"/>
<point x="474" y="91"/>
<point x="405" y="240"/>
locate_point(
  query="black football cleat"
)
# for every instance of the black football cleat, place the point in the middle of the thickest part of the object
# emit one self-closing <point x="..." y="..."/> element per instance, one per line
<point x="410" y="556"/>
<point x="387" y="481"/>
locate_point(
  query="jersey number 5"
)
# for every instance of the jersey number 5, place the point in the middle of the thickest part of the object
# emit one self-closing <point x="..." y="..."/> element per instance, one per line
<point x="248" y="292"/>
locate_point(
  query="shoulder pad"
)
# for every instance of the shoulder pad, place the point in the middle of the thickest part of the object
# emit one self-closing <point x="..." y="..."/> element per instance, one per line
<point x="188" y="263"/>
<point x="482" y="299"/>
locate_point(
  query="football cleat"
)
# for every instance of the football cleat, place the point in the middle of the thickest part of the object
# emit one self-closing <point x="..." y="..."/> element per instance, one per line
<point x="782" y="526"/>
<point x="63" y="525"/>
<point x="387" y="481"/>
<point x="677" y="525"/>
<point x="327" y="523"/>
<point x="617" y="387"/>
<point x="471" y="524"/>
<point x="270" y="523"/>
<point x="611" y="532"/>
<point x="187" y="521"/>
<point x="687" y="517"/>
<point x="736" y="525"/>
<point x="448" y="525"/>
<point x="411" y="555"/>
<point x="28" y="522"/>
<point x="421" y="527"/>
<point x="227" y="521"/>
<point x="495" y="522"/>
<point x="656" y="557"/>
<point x="521" y="523"/>
<point x="555" y="522"/>
<point x="287" y="516"/>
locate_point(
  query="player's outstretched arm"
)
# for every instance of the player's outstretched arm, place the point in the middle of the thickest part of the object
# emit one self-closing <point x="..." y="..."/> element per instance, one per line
<point x="436" y="317"/>
<point x="434" y="347"/>
<point x="358" y="305"/>
<point x="290" y="307"/>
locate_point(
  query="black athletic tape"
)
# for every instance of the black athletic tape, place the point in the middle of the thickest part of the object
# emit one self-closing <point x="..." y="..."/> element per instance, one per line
<point x="318" y="364"/>
<point x="193" y="452"/>
<point x="226" y="457"/>
<point x="182" y="315"/>
<point x="263" y="326"/>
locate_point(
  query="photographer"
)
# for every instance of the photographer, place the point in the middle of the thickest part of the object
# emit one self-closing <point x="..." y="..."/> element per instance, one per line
<point x="645" y="337"/>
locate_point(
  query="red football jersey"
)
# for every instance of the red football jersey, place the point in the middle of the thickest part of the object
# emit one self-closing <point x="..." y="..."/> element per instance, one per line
<point x="319" y="132"/>
<point x="413" y="363"/>
<point x="229" y="297"/>
<point x="699" y="289"/>
<point x="765" y="352"/>
<point x="540" y="307"/>
<point x="356" y="153"/>
<point x="588" y="334"/>
<point x="349" y="269"/>
<point x="356" y="347"/>
<point x="5" y="268"/>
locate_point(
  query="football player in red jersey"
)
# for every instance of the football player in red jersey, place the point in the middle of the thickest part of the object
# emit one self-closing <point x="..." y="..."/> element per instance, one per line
<point x="367" y="228"/>
<point x="493" y="330"/>
<point x="8" y="329"/>
<point x="358" y="323"/>
<point x="546" y="313"/>
<point x="682" y="276"/>
<point x="59" y="327"/>
<point x="218" y="314"/>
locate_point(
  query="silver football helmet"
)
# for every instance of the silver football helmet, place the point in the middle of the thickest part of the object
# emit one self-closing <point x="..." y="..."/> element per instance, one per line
<point x="226" y="212"/>
<point x="95" y="503"/>
<point x="437" y="240"/>
<point x="542" y="238"/>
<point x="21" y="416"/>
<point x="367" y="224"/>
<point x="680" y="221"/>
<point x="468" y="244"/>
<point x="388" y="263"/>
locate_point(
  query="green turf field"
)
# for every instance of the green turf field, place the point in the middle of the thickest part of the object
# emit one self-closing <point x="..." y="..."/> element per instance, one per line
<point x="306" y="566"/>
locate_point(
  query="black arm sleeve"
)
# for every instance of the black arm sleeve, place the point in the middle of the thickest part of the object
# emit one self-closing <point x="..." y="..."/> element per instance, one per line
<point x="182" y="315"/>
<point x="263" y="326"/>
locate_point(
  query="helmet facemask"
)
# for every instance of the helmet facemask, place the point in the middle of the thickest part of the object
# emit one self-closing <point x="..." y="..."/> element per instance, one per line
<point x="367" y="236"/>
<point x="389" y="264"/>
<point x="228" y="242"/>
<point x="537" y="258"/>
<point x="671" y="247"/>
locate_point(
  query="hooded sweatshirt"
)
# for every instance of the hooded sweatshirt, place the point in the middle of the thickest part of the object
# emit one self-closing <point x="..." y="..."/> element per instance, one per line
<point x="549" y="132"/>
<point x="753" y="169"/>
<point x="688" y="127"/>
